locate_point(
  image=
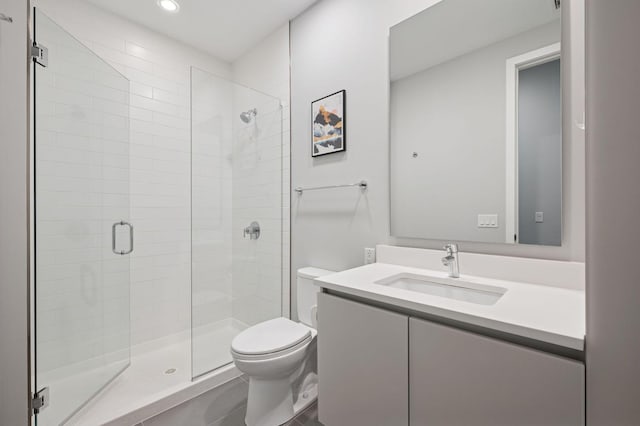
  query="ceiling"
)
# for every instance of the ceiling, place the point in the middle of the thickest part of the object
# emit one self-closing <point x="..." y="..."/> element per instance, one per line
<point x="224" y="28"/>
<point x="452" y="28"/>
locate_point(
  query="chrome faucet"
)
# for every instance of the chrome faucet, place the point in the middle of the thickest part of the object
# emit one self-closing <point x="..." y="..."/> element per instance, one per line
<point x="451" y="260"/>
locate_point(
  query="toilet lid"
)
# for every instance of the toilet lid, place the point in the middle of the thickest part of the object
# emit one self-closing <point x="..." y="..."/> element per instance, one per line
<point x="270" y="336"/>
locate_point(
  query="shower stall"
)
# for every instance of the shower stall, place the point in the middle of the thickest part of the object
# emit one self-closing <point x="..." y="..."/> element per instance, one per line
<point x="186" y="230"/>
<point x="237" y="223"/>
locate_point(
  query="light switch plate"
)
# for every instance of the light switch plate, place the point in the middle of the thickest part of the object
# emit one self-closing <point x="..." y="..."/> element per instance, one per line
<point x="539" y="217"/>
<point x="369" y="255"/>
<point x="487" y="221"/>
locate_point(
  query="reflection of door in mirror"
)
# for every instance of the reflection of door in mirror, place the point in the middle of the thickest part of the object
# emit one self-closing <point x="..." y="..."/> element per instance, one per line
<point x="534" y="147"/>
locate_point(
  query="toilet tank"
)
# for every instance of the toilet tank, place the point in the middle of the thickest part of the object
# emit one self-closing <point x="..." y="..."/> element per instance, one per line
<point x="307" y="292"/>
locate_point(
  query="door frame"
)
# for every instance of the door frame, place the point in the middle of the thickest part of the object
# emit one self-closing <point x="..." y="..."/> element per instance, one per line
<point x="513" y="66"/>
<point x="14" y="226"/>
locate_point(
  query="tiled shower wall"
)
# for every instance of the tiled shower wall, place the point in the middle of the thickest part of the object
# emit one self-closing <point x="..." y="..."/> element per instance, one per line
<point x="257" y="196"/>
<point x="237" y="179"/>
<point x="158" y="68"/>
<point x="265" y="68"/>
<point x="212" y="177"/>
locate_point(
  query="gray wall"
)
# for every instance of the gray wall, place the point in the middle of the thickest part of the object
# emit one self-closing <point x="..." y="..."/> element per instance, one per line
<point x="539" y="154"/>
<point x="343" y="44"/>
<point x="613" y="206"/>
<point x="339" y="44"/>
<point x="14" y="215"/>
<point x="454" y="116"/>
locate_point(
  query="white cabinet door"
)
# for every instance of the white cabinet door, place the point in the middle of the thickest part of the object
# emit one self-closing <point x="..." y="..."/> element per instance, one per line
<point x="362" y="364"/>
<point x="460" y="378"/>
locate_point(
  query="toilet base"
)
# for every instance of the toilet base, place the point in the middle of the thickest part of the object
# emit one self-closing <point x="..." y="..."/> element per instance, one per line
<point x="270" y="402"/>
<point x="305" y="399"/>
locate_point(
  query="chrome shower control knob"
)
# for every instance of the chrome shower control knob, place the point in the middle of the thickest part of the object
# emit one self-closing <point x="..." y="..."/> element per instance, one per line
<point x="252" y="231"/>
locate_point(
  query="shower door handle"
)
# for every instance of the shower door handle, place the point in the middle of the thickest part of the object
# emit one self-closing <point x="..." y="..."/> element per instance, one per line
<point x="113" y="237"/>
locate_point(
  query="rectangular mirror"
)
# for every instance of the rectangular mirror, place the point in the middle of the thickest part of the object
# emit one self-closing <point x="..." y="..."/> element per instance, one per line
<point x="476" y="122"/>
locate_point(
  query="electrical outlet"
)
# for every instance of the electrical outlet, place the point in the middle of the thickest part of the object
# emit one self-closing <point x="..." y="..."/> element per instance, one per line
<point x="369" y="256"/>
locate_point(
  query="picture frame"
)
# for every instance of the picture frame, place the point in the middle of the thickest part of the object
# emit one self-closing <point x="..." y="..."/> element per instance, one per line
<point x="328" y="124"/>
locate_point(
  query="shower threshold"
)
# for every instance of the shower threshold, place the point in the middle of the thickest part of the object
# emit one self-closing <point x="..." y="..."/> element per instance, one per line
<point x="158" y="379"/>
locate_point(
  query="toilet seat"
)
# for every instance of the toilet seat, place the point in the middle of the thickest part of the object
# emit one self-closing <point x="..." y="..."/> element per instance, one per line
<point x="273" y="355"/>
<point x="271" y="338"/>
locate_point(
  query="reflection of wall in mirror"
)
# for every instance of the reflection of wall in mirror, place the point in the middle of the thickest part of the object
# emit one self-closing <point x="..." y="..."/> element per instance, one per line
<point x="453" y="116"/>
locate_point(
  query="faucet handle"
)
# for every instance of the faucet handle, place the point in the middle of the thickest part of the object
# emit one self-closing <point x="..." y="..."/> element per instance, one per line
<point x="451" y="248"/>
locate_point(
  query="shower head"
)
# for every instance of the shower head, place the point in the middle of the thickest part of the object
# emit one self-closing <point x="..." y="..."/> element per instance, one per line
<point x="247" y="116"/>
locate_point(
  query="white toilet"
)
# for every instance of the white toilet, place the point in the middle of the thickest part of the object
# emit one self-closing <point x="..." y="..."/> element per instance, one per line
<point x="279" y="356"/>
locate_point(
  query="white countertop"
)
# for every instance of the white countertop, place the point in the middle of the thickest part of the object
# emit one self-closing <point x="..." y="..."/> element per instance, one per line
<point x="548" y="314"/>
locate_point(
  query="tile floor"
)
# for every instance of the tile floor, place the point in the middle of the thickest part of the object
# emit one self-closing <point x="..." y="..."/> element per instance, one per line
<point x="222" y="406"/>
<point x="309" y="417"/>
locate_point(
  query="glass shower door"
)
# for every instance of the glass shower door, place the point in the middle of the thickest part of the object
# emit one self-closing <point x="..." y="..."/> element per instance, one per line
<point x="82" y="234"/>
<point x="237" y="180"/>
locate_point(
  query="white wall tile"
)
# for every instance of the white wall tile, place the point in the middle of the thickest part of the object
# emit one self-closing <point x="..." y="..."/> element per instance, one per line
<point x="159" y="146"/>
<point x="261" y="184"/>
<point x="234" y="181"/>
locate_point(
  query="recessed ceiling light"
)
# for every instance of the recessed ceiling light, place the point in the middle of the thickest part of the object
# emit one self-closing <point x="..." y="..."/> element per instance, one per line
<point x="169" y="5"/>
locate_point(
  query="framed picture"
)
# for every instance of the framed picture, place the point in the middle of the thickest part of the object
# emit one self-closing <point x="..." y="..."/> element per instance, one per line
<point x="328" y="124"/>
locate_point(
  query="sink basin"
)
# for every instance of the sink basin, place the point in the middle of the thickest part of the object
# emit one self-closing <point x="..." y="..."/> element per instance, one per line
<point x="451" y="288"/>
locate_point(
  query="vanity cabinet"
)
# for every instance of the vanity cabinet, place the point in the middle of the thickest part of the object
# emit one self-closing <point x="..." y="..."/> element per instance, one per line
<point x="378" y="366"/>
<point x="362" y="364"/>
<point x="462" y="378"/>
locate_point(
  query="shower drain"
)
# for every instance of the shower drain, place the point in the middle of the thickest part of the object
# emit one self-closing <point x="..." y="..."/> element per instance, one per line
<point x="170" y="371"/>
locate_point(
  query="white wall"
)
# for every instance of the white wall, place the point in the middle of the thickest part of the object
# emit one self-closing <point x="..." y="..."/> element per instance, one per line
<point x="613" y="317"/>
<point x="265" y="67"/>
<point x="158" y="68"/>
<point x="342" y="44"/>
<point x="14" y="214"/>
<point x="454" y="116"/>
